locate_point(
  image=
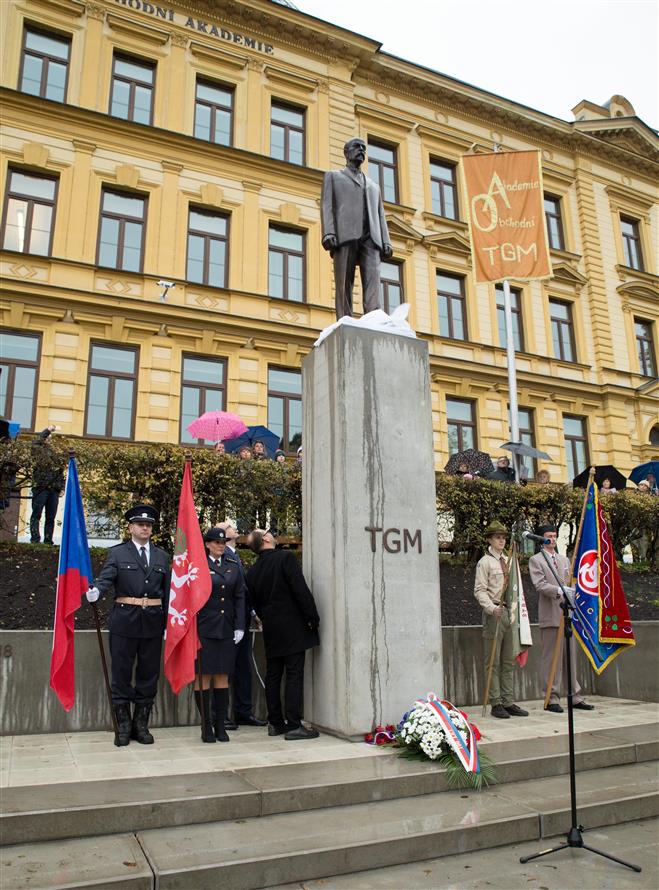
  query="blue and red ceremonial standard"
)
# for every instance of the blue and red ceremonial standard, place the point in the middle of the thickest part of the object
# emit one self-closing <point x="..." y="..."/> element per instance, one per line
<point x="601" y="619"/>
<point x="74" y="576"/>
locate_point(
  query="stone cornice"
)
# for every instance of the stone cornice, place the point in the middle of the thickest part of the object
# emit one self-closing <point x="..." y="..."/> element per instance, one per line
<point x="282" y="25"/>
<point x="431" y="87"/>
<point x="103" y="130"/>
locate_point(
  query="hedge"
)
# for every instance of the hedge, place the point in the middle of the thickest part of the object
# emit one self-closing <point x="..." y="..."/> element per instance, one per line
<point x="114" y="476"/>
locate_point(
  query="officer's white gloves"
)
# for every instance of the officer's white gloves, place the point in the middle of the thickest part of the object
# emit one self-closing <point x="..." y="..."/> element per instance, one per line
<point x="238" y="635"/>
<point x="569" y="590"/>
<point x="93" y="594"/>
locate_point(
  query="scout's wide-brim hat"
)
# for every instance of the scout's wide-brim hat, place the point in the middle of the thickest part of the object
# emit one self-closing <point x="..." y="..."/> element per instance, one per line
<point x="215" y="534"/>
<point x="142" y="513"/>
<point x="495" y="528"/>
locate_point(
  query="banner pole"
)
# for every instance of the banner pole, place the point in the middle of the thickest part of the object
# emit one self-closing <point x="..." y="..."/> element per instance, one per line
<point x="512" y="375"/>
<point x="559" y="631"/>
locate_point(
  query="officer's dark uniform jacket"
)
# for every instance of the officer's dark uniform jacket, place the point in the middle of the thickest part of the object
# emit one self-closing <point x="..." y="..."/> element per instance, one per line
<point x="224" y="611"/>
<point x="124" y="570"/>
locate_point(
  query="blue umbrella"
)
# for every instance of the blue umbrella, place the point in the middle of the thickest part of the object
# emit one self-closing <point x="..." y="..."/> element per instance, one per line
<point x="254" y="434"/>
<point x="641" y="471"/>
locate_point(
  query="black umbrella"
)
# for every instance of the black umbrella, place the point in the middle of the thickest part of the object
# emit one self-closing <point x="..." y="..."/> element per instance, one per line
<point x="524" y="450"/>
<point x="477" y="461"/>
<point x="606" y="471"/>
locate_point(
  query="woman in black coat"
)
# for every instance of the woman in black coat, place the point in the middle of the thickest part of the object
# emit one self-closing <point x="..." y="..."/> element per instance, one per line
<point x="221" y="626"/>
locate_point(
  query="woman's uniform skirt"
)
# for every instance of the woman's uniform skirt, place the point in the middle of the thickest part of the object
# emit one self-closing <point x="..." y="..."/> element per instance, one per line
<point x="217" y="656"/>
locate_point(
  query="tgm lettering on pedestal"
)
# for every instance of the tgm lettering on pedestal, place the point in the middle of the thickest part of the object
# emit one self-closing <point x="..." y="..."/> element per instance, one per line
<point x="391" y="540"/>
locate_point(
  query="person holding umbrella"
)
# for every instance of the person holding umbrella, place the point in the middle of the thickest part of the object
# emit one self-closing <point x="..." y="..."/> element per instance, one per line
<point x="647" y="472"/>
<point x="616" y="480"/>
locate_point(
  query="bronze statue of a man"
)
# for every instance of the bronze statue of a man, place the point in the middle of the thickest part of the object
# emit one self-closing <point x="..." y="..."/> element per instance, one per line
<point x="354" y="229"/>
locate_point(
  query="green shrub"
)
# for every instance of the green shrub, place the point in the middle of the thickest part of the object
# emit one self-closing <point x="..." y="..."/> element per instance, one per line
<point x="114" y="476"/>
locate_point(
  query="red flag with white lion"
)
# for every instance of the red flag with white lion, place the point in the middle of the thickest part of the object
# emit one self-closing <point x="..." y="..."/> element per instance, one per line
<point x="190" y="588"/>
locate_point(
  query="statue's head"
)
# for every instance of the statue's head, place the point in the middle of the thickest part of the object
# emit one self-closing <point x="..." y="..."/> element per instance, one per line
<point x="355" y="151"/>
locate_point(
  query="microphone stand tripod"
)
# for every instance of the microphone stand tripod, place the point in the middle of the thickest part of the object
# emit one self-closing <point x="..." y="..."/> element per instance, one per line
<point x="574" y="837"/>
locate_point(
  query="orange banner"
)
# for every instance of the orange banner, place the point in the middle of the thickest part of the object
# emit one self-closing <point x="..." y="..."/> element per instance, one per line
<point x="506" y="215"/>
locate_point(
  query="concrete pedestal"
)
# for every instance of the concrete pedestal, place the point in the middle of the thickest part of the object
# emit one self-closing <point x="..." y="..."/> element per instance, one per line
<point x="370" y="533"/>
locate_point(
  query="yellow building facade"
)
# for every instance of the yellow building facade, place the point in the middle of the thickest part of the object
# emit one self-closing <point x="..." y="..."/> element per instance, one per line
<point x="161" y="175"/>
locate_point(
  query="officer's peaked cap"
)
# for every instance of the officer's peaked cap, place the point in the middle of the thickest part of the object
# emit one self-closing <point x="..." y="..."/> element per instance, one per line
<point x="141" y="513"/>
<point x="215" y="534"/>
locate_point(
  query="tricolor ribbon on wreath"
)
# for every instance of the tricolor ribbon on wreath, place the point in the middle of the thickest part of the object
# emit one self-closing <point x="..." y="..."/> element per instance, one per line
<point x="466" y="752"/>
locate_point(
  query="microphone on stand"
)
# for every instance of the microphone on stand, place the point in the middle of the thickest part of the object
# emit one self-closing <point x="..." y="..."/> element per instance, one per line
<point x="538" y="538"/>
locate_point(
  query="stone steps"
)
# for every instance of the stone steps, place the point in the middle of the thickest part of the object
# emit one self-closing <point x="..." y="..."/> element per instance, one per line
<point x="263" y="851"/>
<point x="93" y="808"/>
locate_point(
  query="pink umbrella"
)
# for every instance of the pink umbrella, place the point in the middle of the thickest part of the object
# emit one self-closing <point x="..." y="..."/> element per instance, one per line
<point x="217" y="425"/>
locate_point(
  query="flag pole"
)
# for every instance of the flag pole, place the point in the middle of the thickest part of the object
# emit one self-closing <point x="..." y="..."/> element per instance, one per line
<point x="559" y="631"/>
<point x="512" y="374"/>
<point x="496" y="637"/>
<point x="101" y="649"/>
<point x="511" y="364"/>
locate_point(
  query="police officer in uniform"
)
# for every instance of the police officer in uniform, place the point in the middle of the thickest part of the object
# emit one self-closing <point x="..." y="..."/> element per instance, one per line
<point x="140" y="574"/>
<point x="221" y="626"/>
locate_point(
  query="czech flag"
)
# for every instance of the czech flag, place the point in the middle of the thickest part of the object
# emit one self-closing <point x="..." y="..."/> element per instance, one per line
<point x="74" y="576"/>
<point x="601" y="618"/>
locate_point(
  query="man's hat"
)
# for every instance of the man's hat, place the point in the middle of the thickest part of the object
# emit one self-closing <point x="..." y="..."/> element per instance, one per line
<point x="141" y="513"/>
<point x="215" y="534"/>
<point x="495" y="528"/>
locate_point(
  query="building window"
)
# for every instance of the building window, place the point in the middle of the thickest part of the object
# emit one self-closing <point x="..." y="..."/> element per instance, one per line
<point x="213" y="118"/>
<point x="285" y="407"/>
<point x="286" y="264"/>
<point x="516" y="311"/>
<point x="631" y="243"/>
<point x="207" y="248"/>
<point x="443" y="189"/>
<point x="554" y="222"/>
<point x="203" y="388"/>
<point x="19" y="368"/>
<point x="132" y="90"/>
<point x="121" y="232"/>
<point x="391" y="285"/>
<point x="576" y="445"/>
<point x="287" y="133"/>
<point x="382" y="169"/>
<point x="562" y="331"/>
<point x="45" y="65"/>
<point x="647" y="361"/>
<point x="461" y="425"/>
<point x="451" y="306"/>
<point x="526" y="437"/>
<point x="111" y="392"/>
<point x="29" y="213"/>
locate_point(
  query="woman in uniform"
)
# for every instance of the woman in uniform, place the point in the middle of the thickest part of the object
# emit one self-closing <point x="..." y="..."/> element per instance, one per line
<point x="221" y="626"/>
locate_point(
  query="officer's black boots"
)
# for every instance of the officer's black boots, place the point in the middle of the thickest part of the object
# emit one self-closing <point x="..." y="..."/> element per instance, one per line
<point x="220" y="708"/>
<point x="203" y="702"/>
<point x="140" y="729"/>
<point x="122" y="736"/>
